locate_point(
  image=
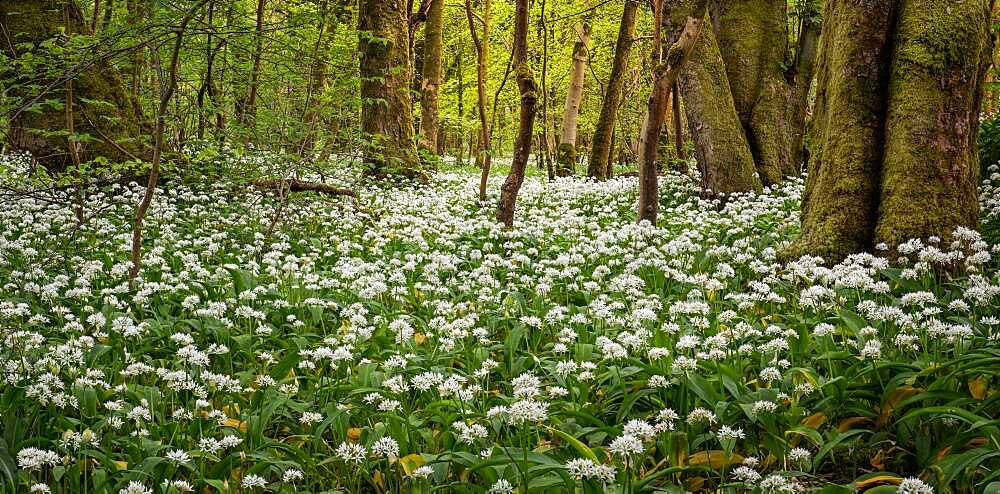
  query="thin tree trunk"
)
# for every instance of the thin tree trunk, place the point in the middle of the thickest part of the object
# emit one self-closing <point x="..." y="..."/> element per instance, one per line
<point x="566" y="152"/>
<point x="72" y="141"/>
<point x="317" y="83"/>
<point x="484" y="156"/>
<point x="678" y="131"/>
<point x="161" y="110"/>
<point x="108" y="11"/>
<point x="685" y="24"/>
<point x="547" y="133"/>
<point x="431" y="79"/>
<point x="96" y="17"/>
<point x="250" y="111"/>
<point x="136" y="15"/>
<point x="461" y="105"/>
<point x="600" y="153"/>
<point x="522" y="142"/>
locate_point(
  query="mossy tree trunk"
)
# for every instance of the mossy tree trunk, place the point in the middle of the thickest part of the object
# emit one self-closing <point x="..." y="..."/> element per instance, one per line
<point x="897" y="104"/>
<point x="600" y="154"/>
<point x="386" y="116"/>
<point x="431" y="79"/>
<point x="724" y="157"/>
<point x="566" y="152"/>
<point x="768" y="82"/>
<point x="930" y="170"/>
<point x="103" y="114"/>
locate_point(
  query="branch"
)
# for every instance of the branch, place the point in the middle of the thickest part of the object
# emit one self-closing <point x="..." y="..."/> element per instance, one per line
<point x="294" y="185"/>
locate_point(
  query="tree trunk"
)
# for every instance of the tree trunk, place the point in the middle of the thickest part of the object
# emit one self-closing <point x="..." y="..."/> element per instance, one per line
<point x="548" y="135"/>
<point x="317" y="83"/>
<point x="769" y="95"/>
<point x="930" y="172"/>
<point x="768" y="89"/>
<point x="566" y="152"/>
<point x="431" y="79"/>
<point x="683" y="25"/>
<point x="102" y="108"/>
<point x="529" y="98"/>
<point x="249" y="115"/>
<point x="108" y="12"/>
<point x="897" y="106"/>
<point x="167" y="92"/>
<point x="386" y="118"/>
<point x="600" y="154"/>
<point x="724" y="157"/>
<point x="482" y="52"/>
<point x="675" y="100"/>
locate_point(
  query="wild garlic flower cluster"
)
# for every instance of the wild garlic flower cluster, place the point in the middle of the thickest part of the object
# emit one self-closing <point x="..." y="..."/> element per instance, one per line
<point x="416" y="338"/>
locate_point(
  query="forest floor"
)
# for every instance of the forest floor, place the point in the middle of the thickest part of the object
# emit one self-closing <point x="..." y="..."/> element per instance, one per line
<point x="411" y="344"/>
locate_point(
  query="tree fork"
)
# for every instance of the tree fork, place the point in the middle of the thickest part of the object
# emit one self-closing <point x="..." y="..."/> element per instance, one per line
<point x="665" y="75"/>
<point x="161" y="110"/>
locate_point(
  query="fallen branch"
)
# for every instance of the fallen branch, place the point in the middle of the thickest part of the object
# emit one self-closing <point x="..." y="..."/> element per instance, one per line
<point x="293" y="185"/>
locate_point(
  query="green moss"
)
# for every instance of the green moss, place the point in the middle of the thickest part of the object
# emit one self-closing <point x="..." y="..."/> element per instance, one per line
<point x="102" y="110"/>
<point x="720" y="144"/>
<point x="565" y="159"/>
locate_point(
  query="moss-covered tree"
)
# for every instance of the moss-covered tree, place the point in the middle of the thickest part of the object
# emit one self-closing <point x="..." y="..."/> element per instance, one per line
<point x="724" y="157"/>
<point x="386" y="116"/>
<point x="749" y="62"/>
<point x="897" y="108"/>
<point x="102" y="113"/>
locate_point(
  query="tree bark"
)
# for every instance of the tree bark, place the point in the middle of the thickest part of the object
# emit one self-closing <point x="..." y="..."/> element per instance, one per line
<point x="485" y="154"/>
<point x="312" y="113"/>
<point x="767" y="86"/>
<point x="249" y="115"/>
<point x="108" y="12"/>
<point x="675" y="100"/>
<point x="528" y="106"/>
<point x="724" y="157"/>
<point x="930" y="171"/>
<point x="431" y="79"/>
<point x="386" y="117"/>
<point x="898" y="94"/>
<point x="103" y="110"/>
<point x="600" y="153"/>
<point x="683" y="25"/>
<point x="566" y="152"/>
<point x="169" y="87"/>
